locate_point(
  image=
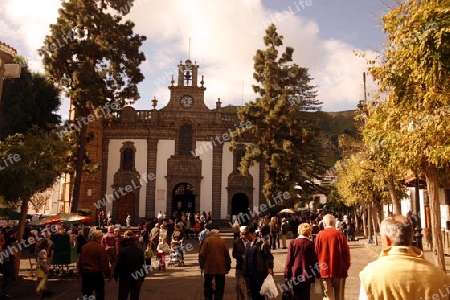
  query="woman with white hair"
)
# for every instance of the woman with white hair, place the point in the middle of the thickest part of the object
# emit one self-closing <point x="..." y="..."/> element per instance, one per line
<point x="301" y="266"/>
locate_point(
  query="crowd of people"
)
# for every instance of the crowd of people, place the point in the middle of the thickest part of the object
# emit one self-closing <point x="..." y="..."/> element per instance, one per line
<point x="317" y="253"/>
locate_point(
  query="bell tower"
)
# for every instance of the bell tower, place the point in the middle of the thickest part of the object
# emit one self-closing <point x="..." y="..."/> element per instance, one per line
<point x="187" y="94"/>
<point x="187" y="74"/>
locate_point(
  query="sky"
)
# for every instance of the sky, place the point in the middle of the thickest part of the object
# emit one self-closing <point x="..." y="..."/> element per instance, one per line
<point x="223" y="36"/>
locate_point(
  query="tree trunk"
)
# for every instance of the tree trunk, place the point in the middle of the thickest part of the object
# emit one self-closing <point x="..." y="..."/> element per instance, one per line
<point x="369" y="224"/>
<point x="396" y="206"/>
<point x="364" y="220"/>
<point x="374" y="222"/>
<point x="79" y="164"/>
<point x="356" y="220"/>
<point x="431" y="176"/>
<point x="21" y="230"/>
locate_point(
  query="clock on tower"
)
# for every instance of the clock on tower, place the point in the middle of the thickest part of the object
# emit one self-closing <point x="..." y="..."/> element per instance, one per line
<point x="186" y="101"/>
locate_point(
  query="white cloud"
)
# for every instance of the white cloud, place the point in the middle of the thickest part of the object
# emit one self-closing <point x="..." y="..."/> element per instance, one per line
<point x="224" y="37"/>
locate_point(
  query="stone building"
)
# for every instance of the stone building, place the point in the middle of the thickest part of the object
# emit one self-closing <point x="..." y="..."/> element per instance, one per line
<point x="174" y="159"/>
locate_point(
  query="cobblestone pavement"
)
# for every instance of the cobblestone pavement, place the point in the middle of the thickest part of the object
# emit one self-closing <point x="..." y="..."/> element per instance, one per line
<point x="185" y="282"/>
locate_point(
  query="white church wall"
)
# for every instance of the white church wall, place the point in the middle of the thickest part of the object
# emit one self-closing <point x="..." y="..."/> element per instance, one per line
<point x="114" y="165"/>
<point x="206" y="157"/>
<point x="254" y="171"/>
<point x="227" y="168"/>
<point x="166" y="148"/>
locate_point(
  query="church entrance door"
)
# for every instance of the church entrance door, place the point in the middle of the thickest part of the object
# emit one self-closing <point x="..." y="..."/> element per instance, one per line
<point x="239" y="207"/>
<point x="125" y="206"/>
<point x="183" y="199"/>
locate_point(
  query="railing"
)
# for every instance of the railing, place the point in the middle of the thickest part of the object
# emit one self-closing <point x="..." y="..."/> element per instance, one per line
<point x="143" y="115"/>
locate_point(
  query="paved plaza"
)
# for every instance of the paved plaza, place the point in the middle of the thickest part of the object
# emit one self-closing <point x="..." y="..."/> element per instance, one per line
<point x="185" y="282"/>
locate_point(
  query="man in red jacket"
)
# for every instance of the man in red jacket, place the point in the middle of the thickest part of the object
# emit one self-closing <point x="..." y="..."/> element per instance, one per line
<point x="333" y="254"/>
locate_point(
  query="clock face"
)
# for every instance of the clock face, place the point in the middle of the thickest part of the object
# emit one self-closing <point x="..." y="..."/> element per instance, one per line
<point x="186" y="101"/>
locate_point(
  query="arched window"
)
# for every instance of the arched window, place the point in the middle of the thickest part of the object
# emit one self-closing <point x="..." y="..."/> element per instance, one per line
<point x="127" y="156"/>
<point x="185" y="140"/>
<point x="127" y="159"/>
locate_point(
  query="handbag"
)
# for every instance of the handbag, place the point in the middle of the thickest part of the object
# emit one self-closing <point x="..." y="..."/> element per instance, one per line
<point x="287" y="295"/>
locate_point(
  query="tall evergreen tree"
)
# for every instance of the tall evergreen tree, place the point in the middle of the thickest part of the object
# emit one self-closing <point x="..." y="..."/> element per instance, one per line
<point x="282" y="119"/>
<point x="94" y="54"/>
<point x="29" y="100"/>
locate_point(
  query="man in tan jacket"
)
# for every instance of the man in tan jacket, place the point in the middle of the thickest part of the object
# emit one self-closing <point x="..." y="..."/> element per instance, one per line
<point x="401" y="271"/>
<point x="215" y="260"/>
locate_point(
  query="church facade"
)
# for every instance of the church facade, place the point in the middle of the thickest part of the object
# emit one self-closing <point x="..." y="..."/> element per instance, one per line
<point x="174" y="159"/>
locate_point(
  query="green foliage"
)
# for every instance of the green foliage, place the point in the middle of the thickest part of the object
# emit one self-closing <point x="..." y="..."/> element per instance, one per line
<point x="93" y="54"/>
<point x="410" y="125"/>
<point x="282" y="119"/>
<point x="414" y="81"/>
<point x="31" y="163"/>
<point x="29" y="100"/>
<point x="334" y="202"/>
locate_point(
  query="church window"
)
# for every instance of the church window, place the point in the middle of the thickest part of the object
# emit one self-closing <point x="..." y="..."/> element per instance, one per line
<point x="127" y="157"/>
<point x="185" y="140"/>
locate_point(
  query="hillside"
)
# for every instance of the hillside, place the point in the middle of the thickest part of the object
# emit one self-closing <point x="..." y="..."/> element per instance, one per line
<point x="332" y="125"/>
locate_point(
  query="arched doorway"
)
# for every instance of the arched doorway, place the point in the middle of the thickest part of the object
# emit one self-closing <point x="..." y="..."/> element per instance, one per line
<point x="239" y="207"/>
<point x="125" y="205"/>
<point x="183" y="199"/>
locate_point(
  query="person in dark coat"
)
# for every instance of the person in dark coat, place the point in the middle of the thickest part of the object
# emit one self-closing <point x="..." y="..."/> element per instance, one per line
<point x="239" y="254"/>
<point x="215" y="260"/>
<point x="258" y="262"/>
<point x="301" y="266"/>
<point x="130" y="270"/>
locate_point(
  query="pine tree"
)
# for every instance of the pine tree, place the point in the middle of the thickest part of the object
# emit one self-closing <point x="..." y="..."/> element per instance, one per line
<point x="94" y="55"/>
<point x="282" y="119"/>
